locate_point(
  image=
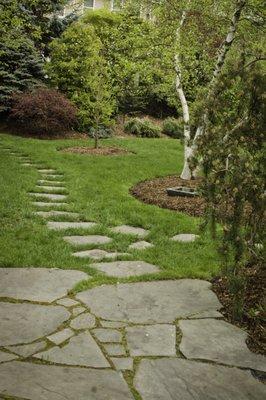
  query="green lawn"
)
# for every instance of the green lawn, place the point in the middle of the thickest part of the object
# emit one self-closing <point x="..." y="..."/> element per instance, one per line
<point x="98" y="189"/>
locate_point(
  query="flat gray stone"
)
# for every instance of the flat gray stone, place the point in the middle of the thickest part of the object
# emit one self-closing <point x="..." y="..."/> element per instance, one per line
<point x="97" y="254"/>
<point x="150" y="302"/>
<point x="53" y="213"/>
<point x="4" y="357"/>
<point x="67" y="302"/>
<point x="43" y="182"/>
<point x="142" y="245"/>
<point x="50" y="204"/>
<point x="61" y="336"/>
<point x="58" y="226"/>
<point x="122" y="363"/>
<point x="185" y="237"/>
<point x="24" y="323"/>
<point x="115" y="349"/>
<point x="38" y="284"/>
<point x="78" y="310"/>
<point x="113" y="324"/>
<point x="207" y="314"/>
<point x="53" y="176"/>
<point x="177" y="379"/>
<point x="83" y="321"/>
<point x="90" y="239"/>
<point x="218" y="341"/>
<point x="151" y="340"/>
<point x="51" y="188"/>
<point x="81" y="350"/>
<point x="130" y="230"/>
<point x="107" y="335"/>
<point x="49" y="382"/>
<point x="124" y="269"/>
<point x="47" y="171"/>
<point x="49" y="196"/>
<point x="27" y="350"/>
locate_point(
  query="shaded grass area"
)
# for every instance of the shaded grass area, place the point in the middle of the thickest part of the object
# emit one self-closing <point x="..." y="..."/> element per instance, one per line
<point x="98" y="188"/>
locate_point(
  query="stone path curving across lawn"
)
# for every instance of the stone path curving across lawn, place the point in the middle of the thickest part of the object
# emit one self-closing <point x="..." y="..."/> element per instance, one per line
<point x="158" y="340"/>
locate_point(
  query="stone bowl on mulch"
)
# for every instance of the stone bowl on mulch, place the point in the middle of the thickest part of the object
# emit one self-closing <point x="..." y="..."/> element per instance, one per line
<point x="154" y="191"/>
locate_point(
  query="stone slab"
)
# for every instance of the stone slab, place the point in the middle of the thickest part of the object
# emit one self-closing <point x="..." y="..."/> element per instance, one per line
<point x="150" y="302"/>
<point x="38" y="284"/>
<point x="83" y="321"/>
<point x="51" y="188"/>
<point x="97" y="254"/>
<point x="43" y="182"/>
<point x="67" y="302"/>
<point x="151" y="340"/>
<point x="47" y="171"/>
<point x="50" y="196"/>
<point x="130" y="230"/>
<point x="185" y="238"/>
<point x="206" y="314"/>
<point x="90" y="239"/>
<point x="53" y="176"/>
<point x="115" y="349"/>
<point x="58" y="226"/>
<point x="24" y="323"/>
<point x="53" y="213"/>
<point x="48" y="382"/>
<point x="107" y="335"/>
<point x="124" y="269"/>
<point x="142" y="245"/>
<point x="4" y="357"/>
<point x="177" y="379"/>
<point x="81" y="350"/>
<point x="123" y="363"/>
<point x="50" y="204"/>
<point x="61" y="336"/>
<point x="27" y="350"/>
<point x="78" y="310"/>
<point x="113" y="324"/>
<point x="218" y="341"/>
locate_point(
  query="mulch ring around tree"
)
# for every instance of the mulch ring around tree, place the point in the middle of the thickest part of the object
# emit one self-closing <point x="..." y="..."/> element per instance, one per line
<point x="154" y="191"/>
<point x="100" y="151"/>
<point x="253" y="320"/>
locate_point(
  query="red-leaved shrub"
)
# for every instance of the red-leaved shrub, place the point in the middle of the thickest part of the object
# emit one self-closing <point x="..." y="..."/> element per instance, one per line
<point x="43" y="112"/>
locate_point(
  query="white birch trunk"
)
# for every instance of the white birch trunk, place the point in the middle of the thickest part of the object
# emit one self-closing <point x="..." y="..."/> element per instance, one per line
<point x="191" y="149"/>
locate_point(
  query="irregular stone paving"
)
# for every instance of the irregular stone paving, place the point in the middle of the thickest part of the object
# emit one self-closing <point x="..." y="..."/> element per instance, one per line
<point x="53" y="346"/>
<point x="125" y="269"/>
<point x="130" y="230"/>
<point x="98" y="254"/>
<point x="58" y="226"/>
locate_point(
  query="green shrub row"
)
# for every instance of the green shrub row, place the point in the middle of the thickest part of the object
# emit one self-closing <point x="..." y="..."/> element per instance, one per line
<point x="145" y="128"/>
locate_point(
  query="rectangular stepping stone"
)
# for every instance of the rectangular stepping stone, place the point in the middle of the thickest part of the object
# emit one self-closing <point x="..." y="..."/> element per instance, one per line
<point x="130" y="230"/>
<point x="98" y="254"/>
<point x="90" y="239"/>
<point x="52" y="188"/>
<point x="151" y="340"/>
<point x="60" y="337"/>
<point x="178" y="379"/>
<point x="49" y="196"/>
<point x="67" y="302"/>
<point x="51" y="204"/>
<point x="27" y="350"/>
<point x="44" y="182"/>
<point x="53" y="213"/>
<point x="123" y="363"/>
<point x="57" y="226"/>
<point x="185" y="237"/>
<point x="83" y="321"/>
<point x="126" y="268"/>
<point x="143" y="245"/>
<point x="115" y="349"/>
<point x="38" y="284"/>
<point x="218" y="341"/>
<point x="47" y="171"/>
<point x="50" y="382"/>
<point x="4" y="357"/>
<point x="53" y="176"/>
<point x="81" y="350"/>
<point x="107" y="335"/>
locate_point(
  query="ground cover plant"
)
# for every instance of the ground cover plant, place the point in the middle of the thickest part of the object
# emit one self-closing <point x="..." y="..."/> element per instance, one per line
<point x="99" y="190"/>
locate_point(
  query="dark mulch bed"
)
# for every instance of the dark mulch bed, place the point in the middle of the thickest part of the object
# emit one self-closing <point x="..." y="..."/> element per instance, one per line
<point x="101" y="151"/>
<point x="254" y="299"/>
<point x="154" y="192"/>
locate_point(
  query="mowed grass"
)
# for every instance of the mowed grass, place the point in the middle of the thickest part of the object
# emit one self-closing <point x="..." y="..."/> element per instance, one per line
<point x="98" y="188"/>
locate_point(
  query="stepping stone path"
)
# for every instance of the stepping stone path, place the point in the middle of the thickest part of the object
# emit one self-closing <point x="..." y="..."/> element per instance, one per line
<point x="48" y="214"/>
<point x="58" y="346"/>
<point x="185" y="237"/>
